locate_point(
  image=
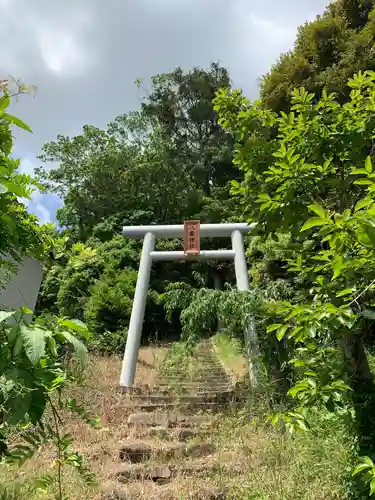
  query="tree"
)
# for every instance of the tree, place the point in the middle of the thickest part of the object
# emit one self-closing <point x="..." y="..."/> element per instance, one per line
<point x="151" y="166"/>
<point x="327" y="52"/>
<point x="20" y="232"/>
<point x="181" y="103"/>
<point x="319" y="186"/>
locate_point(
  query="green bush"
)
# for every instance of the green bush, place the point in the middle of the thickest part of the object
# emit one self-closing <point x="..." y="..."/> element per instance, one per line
<point x="83" y="269"/>
<point x="107" y="311"/>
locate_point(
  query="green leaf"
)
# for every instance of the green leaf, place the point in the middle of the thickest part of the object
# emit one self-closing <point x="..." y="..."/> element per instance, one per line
<point x="313" y="222"/>
<point x="281" y="333"/>
<point x="16" y="189"/>
<point x="318" y="210"/>
<point x="18" y="344"/>
<point x="372" y="487"/>
<point x="4" y="315"/>
<point x="346" y="291"/>
<point x="370" y="231"/>
<point x="4" y="102"/>
<point x="368" y="165"/>
<point x="367" y="460"/>
<point x="77" y="326"/>
<point x="34" y="343"/>
<point x="16" y="121"/>
<point x="37" y="406"/>
<point x="52" y="346"/>
<point x="3" y="189"/>
<point x="25" y="310"/>
<point x="79" y="348"/>
<point x="363" y="182"/>
<point x="302" y="425"/>
<point x="359" y="171"/>
<point x="274" y="327"/>
<point x="367" y="313"/>
<point x="365" y="202"/>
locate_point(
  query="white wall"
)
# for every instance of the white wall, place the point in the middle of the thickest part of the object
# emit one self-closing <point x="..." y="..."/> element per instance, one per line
<point x="23" y="287"/>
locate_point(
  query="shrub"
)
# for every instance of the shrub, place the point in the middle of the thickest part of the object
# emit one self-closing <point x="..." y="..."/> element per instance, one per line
<point x="83" y="269"/>
<point x="107" y="312"/>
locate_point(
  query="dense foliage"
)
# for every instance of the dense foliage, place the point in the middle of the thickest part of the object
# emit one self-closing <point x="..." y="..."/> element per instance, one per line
<point x="327" y="52"/>
<point x="32" y="373"/>
<point x="317" y="186"/>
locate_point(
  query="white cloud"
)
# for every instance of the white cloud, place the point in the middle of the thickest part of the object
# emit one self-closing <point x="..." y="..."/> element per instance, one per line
<point x="36" y="205"/>
<point x="61" y="52"/>
<point x="57" y="38"/>
<point x="273" y="32"/>
<point x="26" y="167"/>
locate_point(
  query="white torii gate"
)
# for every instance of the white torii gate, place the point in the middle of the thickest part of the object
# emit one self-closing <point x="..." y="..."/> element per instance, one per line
<point x="148" y="255"/>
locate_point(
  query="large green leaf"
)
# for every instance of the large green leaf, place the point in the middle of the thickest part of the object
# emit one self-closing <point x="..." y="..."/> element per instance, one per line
<point x="368" y="164"/>
<point x="365" y="202"/>
<point x="76" y="325"/>
<point x="37" y="405"/>
<point x="318" y="210"/>
<point x="16" y="121"/>
<point x="16" y="189"/>
<point x="313" y="222"/>
<point x="368" y="313"/>
<point x="370" y="231"/>
<point x="4" y="315"/>
<point x="79" y="348"/>
<point x="34" y="343"/>
<point x="4" y="102"/>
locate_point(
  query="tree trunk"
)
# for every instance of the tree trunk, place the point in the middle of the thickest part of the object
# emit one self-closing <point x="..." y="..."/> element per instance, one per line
<point x="356" y="362"/>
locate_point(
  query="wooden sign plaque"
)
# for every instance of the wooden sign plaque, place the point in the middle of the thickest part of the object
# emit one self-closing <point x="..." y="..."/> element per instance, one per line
<point x="192" y="237"/>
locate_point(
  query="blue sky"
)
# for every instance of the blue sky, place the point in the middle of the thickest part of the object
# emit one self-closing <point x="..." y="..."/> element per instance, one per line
<point x="84" y="57"/>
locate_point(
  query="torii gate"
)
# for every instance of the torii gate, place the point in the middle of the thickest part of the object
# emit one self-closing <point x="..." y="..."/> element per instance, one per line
<point x="192" y="231"/>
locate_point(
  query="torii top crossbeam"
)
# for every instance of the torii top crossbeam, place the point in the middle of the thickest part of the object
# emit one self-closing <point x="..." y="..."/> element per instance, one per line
<point x="177" y="230"/>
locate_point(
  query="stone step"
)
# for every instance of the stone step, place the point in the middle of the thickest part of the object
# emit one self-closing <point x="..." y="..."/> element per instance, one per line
<point x="178" y="390"/>
<point x="197" y="377"/>
<point x="137" y="491"/>
<point x="197" y="380"/>
<point x="151" y="407"/>
<point x="163" y="384"/>
<point x="177" y="399"/>
<point x="140" y="452"/>
<point x="166" y="419"/>
<point x="193" y="390"/>
<point x="166" y="472"/>
<point x="171" y="434"/>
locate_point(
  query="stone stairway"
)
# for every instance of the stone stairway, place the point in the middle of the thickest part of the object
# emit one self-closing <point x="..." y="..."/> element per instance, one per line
<point x="171" y="455"/>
